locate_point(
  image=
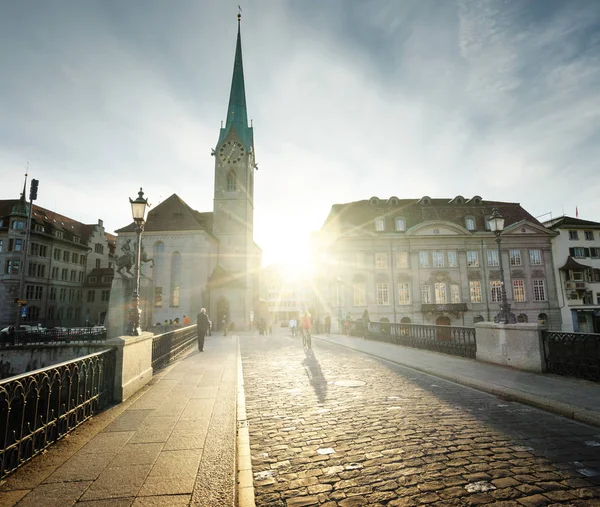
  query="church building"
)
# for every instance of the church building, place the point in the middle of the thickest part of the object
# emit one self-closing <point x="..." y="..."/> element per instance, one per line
<point x="209" y="259"/>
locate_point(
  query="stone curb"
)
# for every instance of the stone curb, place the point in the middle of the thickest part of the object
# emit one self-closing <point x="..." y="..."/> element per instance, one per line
<point x="557" y="407"/>
<point x="245" y="486"/>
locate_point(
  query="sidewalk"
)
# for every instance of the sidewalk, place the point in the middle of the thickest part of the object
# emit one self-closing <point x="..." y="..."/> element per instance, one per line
<point x="173" y="443"/>
<point x="569" y="397"/>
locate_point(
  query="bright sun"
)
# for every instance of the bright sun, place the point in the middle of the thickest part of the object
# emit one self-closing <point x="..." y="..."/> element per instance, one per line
<point x="295" y="259"/>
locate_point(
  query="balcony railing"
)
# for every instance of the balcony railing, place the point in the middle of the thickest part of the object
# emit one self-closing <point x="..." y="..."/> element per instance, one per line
<point x="170" y="345"/>
<point x="42" y="406"/>
<point x="573" y="354"/>
<point x="35" y="336"/>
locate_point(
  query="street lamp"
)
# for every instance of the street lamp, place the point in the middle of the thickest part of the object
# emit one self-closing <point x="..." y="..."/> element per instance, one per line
<point x="496" y="222"/>
<point x="138" y="211"/>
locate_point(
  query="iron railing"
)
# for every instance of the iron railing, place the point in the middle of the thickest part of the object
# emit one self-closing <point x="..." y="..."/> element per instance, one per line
<point x="36" y="336"/>
<point x="41" y="406"/>
<point x="170" y="345"/>
<point x="573" y="354"/>
<point x="455" y="340"/>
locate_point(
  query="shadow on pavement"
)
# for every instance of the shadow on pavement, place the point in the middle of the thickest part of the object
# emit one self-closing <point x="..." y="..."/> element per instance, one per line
<point x="315" y="375"/>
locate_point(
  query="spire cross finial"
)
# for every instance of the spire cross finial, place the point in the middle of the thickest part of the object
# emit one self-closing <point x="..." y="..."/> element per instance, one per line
<point x="239" y="16"/>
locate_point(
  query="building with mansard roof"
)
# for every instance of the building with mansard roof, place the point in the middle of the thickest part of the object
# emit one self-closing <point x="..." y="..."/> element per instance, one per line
<point x="61" y="256"/>
<point x="433" y="261"/>
<point x="205" y="259"/>
<point x="576" y="252"/>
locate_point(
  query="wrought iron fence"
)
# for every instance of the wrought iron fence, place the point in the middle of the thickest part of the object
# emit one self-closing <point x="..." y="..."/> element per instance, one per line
<point x="40" y="407"/>
<point x="574" y="354"/>
<point x="455" y="340"/>
<point x="170" y="345"/>
<point x="39" y="336"/>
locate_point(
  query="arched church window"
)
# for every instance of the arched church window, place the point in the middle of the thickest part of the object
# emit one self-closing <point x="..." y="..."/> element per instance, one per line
<point x="159" y="259"/>
<point x="175" y="279"/>
<point x="231" y="181"/>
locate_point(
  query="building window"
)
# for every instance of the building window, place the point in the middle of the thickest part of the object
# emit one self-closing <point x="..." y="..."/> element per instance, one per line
<point x="383" y="296"/>
<point x="470" y="223"/>
<point x="82" y="260"/>
<point x="475" y="290"/>
<point x="107" y="278"/>
<point x="535" y="257"/>
<point x="99" y="248"/>
<point x="381" y="260"/>
<point x="452" y="259"/>
<point x="402" y="260"/>
<point x="440" y="294"/>
<point x="64" y="274"/>
<point x="81" y="276"/>
<point x="73" y="275"/>
<point x="18" y="245"/>
<point x="18" y="224"/>
<point x="495" y="291"/>
<point x="98" y="263"/>
<point x="595" y="253"/>
<point x="75" y="258"/>
<point x="400" y="224"/>
<point x="175" y="279"/>
<point x="105" y="296"/>
<point x="13" y="266"/>
<point x="472" y="259"/>
<point x="454" y="294"/>
<point x="157" y="297"/>
<point x="52" y="295"/>
<point x="1" y="245"/>
<point x="69" y="313"/>
<point x="573" y="235"/>
<point x="379" y="225"/>
<point x="539" y="290"/>
<point x="92" y="279"/>
<point x="515" y="257"/>
<point x="58" y="234"/>
<point x="589" y="235"/>
<point x="425" y="295"/>
<point x="424" y="259"/>
<point x="55" y="273"/>
<point x="56" y="254"/>
<point x="359" y="294"/>
<point x="66" y="256"/>
<point x="519" y="291"/>
<point x="437" y="259"/>
<point x="62" y="294"/>
<point x="91" y="296"/>
<point x="492" y="258"/>
<point x="231" y="181"/>
<point x="403" y="293"/>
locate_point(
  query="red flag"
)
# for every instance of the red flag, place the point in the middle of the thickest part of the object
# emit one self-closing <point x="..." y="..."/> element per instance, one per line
<point x="576" y="212"/>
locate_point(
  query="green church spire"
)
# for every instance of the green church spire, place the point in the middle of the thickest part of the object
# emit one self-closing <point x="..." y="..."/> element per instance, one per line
<point x="237" y="116"/>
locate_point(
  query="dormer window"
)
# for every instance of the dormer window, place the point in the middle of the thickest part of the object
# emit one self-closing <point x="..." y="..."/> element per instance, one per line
<point x="58" y="234"/>
<point x="470" y="223"/>
<point x="393" y="201"/>
<point x="400" y="224"/>
<point x="379" y="225"/>
<point x="426" y="200"/>
<point x="231" y="181"/>
<point x="374" y="201"/>
<point x="76" y="239"/>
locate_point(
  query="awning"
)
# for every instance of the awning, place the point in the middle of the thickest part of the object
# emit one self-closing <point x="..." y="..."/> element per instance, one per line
<point x="573" y="264"/>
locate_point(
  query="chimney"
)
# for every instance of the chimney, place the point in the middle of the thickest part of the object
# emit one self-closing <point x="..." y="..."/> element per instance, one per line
<point x="100" y="223"/>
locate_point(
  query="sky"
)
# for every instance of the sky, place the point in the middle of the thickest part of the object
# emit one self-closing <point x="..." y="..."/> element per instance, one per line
<point x="349" y="99"/>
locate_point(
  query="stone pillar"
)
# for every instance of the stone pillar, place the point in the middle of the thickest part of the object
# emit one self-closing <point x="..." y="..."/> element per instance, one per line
<point x="133" y="368"/>
<point x="118" y="306"/>
<point x="516" y="345"/>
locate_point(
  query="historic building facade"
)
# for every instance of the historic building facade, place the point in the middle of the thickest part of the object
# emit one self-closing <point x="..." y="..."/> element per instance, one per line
<point x="208" y="259"/>
<point x="61" y="254"/>
<point x="433" y="261"/>
<point x="576" y="252"/>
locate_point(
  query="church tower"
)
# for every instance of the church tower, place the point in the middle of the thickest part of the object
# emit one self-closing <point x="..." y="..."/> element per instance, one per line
<point x="235" y="278"/>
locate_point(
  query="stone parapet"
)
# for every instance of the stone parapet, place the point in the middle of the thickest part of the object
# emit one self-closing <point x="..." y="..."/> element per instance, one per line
<point x="133" y="367"/>
<point x="516" y="345"/>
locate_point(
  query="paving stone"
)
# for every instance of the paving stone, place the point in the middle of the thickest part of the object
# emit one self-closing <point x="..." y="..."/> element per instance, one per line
<point x="56" y="494"/>
<point x="534" y="501"/>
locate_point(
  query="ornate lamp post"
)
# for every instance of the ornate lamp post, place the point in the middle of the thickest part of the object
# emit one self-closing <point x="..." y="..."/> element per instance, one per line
<point x="138" y="211"/>
<point x="496" y="222"/>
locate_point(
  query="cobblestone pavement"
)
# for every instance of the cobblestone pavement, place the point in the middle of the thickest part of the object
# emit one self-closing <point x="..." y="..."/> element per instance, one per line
<point x="402" y="437"/>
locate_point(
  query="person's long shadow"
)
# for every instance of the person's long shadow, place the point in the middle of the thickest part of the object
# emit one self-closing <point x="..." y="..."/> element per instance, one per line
<point x="315" y="375"/>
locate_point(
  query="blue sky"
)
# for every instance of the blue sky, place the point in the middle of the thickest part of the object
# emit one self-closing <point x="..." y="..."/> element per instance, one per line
<point x="349" y="99"/>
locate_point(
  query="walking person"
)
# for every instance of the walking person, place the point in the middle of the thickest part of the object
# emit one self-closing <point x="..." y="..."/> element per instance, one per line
<point x="327" y="324"/>
<point x="366" y="320"/>
<point x="202" y="327"/>
<point x="224" y="322"/>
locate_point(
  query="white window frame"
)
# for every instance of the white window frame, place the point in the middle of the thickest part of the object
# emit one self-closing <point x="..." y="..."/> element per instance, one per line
<point x="492" y="258"/>
<point x="452" y="259"/>
<point x="381" y="260"/>
<point x="475" y="291"/>
<point x="519" y="291"/>
<point x="379" y="224"/>
<point x="454" y="294"/>
<point x="404" y="293"/>
<point x="426" y="294"/>
<point x="383" y="294"/>
<point x="470" y="223"/>
<point x="573" y="235"/>
<point x="441" y="293"/>
<point x="424" y="259"/>
<point x="588" y="235"/>
<point x="400" y="224"/>
<point x="472" y="259"/>
<point x="539" y="289"/>
<point x="437" y="259"/>
<point x="495" y="291"/>
<point x="402" y="259"/>
<point x="535" y="257"/>
<point x="515" y="257"/>
<point x="359" y="294"/>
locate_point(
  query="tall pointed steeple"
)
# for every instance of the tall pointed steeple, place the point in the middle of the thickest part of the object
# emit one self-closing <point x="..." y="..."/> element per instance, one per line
<point x="237" y="116"/>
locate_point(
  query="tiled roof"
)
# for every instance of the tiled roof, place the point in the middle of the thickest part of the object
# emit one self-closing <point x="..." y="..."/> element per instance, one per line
<point x="51" y="220"/>
<point x="566" y="221"/>
<point x="573" y="264"/>
<point x="173" y="214"/>
<point x="361" y="214"/>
